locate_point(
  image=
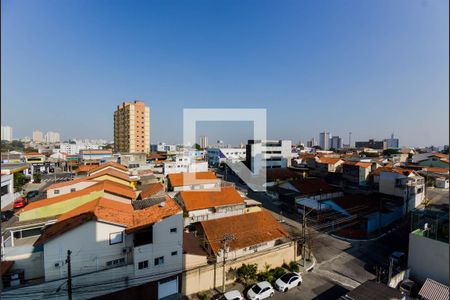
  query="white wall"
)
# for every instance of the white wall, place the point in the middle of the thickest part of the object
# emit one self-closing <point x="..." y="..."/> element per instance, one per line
<point x="210" y="214"/>
<point x="90" y="248"/>
<point x="164" y="243"/>
<point x="428" y="258"/>
<point x="7" y="182"/>
<point x="67" y="189"/>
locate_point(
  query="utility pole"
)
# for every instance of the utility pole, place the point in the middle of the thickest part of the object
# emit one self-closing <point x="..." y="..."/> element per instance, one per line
<point x="69" y="276"/>
<point x="226" y="239"/>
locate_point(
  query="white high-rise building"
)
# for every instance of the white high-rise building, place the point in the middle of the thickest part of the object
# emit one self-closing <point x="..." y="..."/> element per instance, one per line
<point x="7" y="133"/>
<point x="203" y="141"/>
<point x="324" y="140"/>
<point x="38" y="136"/>
<point x="274" y="154"/>
<point x="52" y="137"/>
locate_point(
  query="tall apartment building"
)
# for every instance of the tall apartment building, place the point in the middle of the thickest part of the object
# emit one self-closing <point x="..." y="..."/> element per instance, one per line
<point x="38" y="136"/>
<point x="324" y="140"/>
<point x="336" y="142"/>
<point x="52" y="137"/>
<point x="132" y="127"/>
<point x="203" y="141"/>
<point x="272" y="154"/>
<point x="7" y="133"/>
<point x="391" y="143"/>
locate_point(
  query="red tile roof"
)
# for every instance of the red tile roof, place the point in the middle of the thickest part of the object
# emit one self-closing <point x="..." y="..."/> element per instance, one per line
<point x="402" y="171"/>
<point x="6" y="266"/>
<point x="85" y="168"/>
<point x="110" y="211"/>
<point x="248" y="230"/>
<point x="33" y="154"/>
<point x="183" y="179"/>
<point x="329" y="160"/>
<point x="194" y="200"/>
<point x="312" y="186"/>
<point x="113" y="173"/>
<point x="151" y="189"/>
<point x="106" y="185"/>
<point x="358" y="163"/>
<point x="436" y="169"/>
<point x="109" y="164"/>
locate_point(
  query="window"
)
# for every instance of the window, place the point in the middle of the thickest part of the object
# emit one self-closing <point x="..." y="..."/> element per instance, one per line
<point x="115" y="238"/>
<point x="143" y="265"/>
<point x="72" y="190"/>
<point x="174" y="253"/>
<point x="159" y="260"/>
<point x="173" y="230"/>
<point x="115" y="262"/>
<point x="56" y="192"/>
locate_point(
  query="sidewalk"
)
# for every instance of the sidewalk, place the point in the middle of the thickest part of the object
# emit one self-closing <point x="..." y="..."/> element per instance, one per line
<point x="309" y="265"/>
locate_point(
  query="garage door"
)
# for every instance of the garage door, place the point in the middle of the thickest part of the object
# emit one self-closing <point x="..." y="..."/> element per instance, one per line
<point x="167" y="288"/>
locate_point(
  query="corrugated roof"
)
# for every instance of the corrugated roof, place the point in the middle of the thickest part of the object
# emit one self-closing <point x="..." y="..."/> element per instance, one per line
<point x="248" y="230"/>
<point x="194" y="200"/>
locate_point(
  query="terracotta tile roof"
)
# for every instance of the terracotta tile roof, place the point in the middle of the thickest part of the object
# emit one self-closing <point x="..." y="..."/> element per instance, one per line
<point x="66" y="183"/>
<point x="273" y="174"/>
<point x="33" y="153"/>
<point x="329" y="160"/>
<point x="113" y="173"/>
<point x="402" y="171"/>
<point x="312" y="186"/>
<point x="182" y="179"/>
<point x="85" y="168"/>
<point x="106" y="185"/>
<point x="436" y="169"/>
<point x="155" y="156"/>
<point x="306" y="155"/>
<point x="441" y="155"/>
<point x="248" y="230"/>
<point x="194" y="200"/>
<point x="358" y="163"/>
<point x="191" y="245"/>
<point x="94" y="151"/>
<point x="109" y="164"/>
<point x="151" y="189"/>
<point x="110" y="211"/>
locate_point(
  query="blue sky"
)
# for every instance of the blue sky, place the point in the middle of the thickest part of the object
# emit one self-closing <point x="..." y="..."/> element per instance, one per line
<point x="370" y="67"/>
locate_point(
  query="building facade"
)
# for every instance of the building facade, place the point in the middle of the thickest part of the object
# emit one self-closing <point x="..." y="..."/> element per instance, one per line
<point x="268" y="154"/>
<point x="203" y="141"/>
<point x="132" y="127"/>
<point x="336" y="142"/>
<point x="52" y="137"/>
<point x="38" y="136"/>
<point x="7" y="133"/>
<point x="324" y="140"/>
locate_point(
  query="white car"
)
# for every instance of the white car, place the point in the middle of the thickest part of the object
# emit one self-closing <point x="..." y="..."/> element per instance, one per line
<point x="232" y="295"/>
<point x="288" y="281"/>
<point x="261" y="290"/>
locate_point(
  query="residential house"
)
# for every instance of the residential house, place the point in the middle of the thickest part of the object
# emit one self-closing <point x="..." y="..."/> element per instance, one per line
<point x="109" y="166"/>
<point x="403" y="183"/>
<point x="250" y="233"/>
<point x="184" y="164"/>
<point x="431" y="159"/>
<point x="357" y="172"/>
<point x="210" y="204"/>
<point x="61" y="204"/>
<point x="325" y="165"/>
<point x="192" y="181"/>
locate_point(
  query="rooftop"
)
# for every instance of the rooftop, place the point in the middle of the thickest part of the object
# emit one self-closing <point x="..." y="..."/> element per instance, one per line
<point x="195" y="200"/>
<point x="182" y="179"/>
<point x="248" y="230"/>
<point x="312" y="186"/>
<point x="151" y="189"/>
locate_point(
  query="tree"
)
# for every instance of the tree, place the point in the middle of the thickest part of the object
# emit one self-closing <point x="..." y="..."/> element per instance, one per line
<point x="37" y="177"/>
<point x="197" y="147"/>
<point x="389" y="152"/>
<point x="247" y="273"/>
<point x="30" y="149"/>
<point x="19" y="181"/>
<point x="317" y="147"/>
<point x="332" y="149"/>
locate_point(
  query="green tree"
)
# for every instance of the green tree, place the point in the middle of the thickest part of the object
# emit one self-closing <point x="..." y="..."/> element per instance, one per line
<point x="197" y="147"/>
<point x="317" y="147"/>
<point x="247" y="273"/>
<point x="19" y="181"/>
<point x="37" y="177"/>
<point x="30" y="149"/>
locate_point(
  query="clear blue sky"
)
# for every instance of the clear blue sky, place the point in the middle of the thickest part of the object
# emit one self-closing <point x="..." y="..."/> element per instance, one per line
<point x="369" y="67"/>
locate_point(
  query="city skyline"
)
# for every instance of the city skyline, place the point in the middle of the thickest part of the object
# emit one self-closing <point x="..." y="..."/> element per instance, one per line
<point x="339" y="69"/>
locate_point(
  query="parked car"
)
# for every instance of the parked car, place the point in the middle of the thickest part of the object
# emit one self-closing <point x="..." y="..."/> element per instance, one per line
<point x="232" y="295"/>
<point x="261" y="290"/>
<point x="31" y="194"/>
<point x="288" y="281"/>
<point x="20" y="202"/>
